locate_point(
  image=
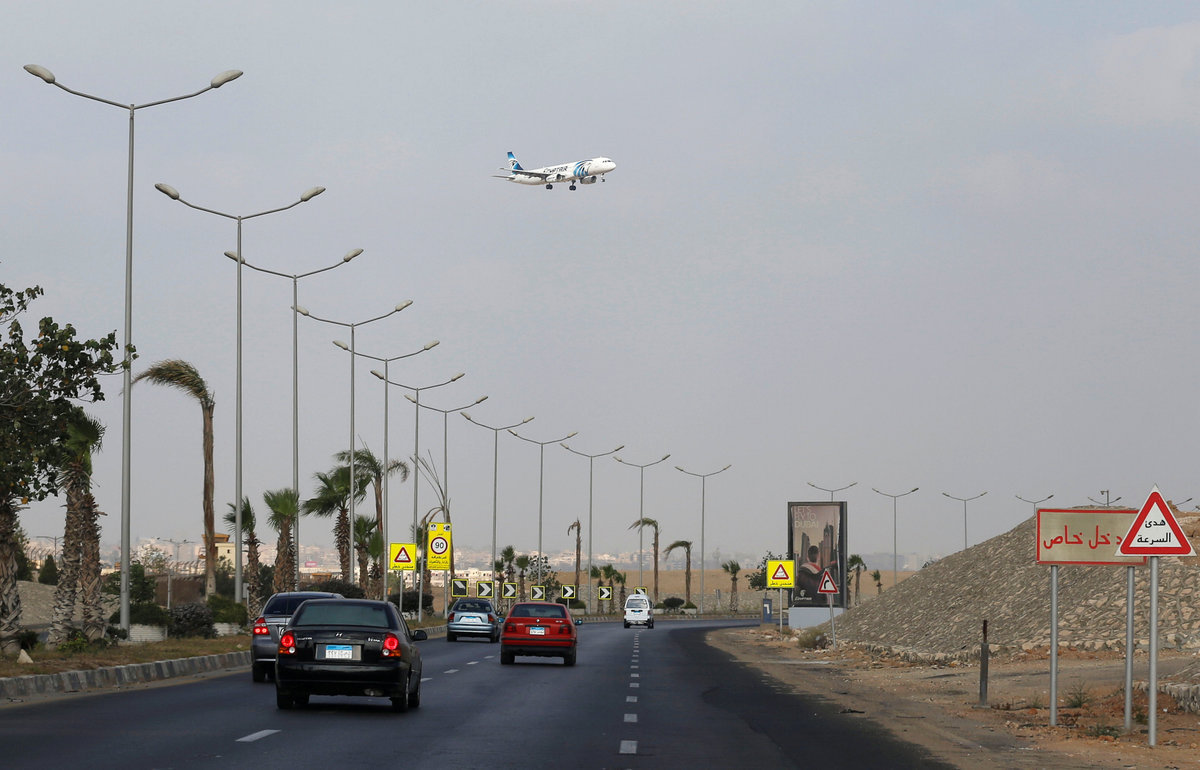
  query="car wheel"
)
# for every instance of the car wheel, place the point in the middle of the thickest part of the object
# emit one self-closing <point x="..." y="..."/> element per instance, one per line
<point x="401" y="704"/>
<point x="569" y="658"/>
<point x="451" y="636"/>
<point x="301" y="699"/>
<point x="627" y="625"/>
<point x="494" y="638"/>
<point x="258" y="673"/>
<point x="414" y="697"/>
<point x="650" y="624"/>
<point x="506" y="658"/>
<point x="283" y="700"/>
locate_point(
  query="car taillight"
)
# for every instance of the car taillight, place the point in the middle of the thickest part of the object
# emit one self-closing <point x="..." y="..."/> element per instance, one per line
<point x="491" y="618"/>
<point x="287" y="644"/>
<point x="391" y="645"/>
<point x="261" y="628"/>
<point x="564" y="629"/>
<point x="450" y="618"/>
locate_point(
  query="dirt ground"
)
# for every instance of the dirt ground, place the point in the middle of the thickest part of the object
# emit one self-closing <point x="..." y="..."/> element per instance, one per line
<point x="937" y="706"/>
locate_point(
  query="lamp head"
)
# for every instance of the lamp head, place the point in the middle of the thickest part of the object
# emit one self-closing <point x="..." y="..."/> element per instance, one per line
<point x="311" y="193"/>
<point x="225" y="77"/>
<point x="480" y="400"/>
<point x="431" y="345"/>
<point x="403" y="305"/>
<point x="378" y="374"/>
<point x="351" y="255"/>
<point x="167" y="190"/>
<point x="341" y="344"/>
<point x="460" y="375"/>
<point x="300" y="309"/>
<point x="527" y="419"/>
<point x="38" y="70"/>
<point x="234" y="257"/>
<point x="572" y="434"/>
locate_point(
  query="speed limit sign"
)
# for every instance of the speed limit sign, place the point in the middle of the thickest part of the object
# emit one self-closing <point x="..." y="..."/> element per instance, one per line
<point x="438" y="557"/>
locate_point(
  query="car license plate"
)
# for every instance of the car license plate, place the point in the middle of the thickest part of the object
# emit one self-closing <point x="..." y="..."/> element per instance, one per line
<point x="537" y="630"/>
<point x="469" y="619"/>
<point x="339" y="652"/>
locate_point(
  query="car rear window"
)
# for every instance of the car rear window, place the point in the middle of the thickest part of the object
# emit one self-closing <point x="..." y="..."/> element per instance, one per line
<point x="284" y="605"/>
<point x="538" y="611"/>
<point x="636" y="604"/>
<point x="341" y="614"/>
<point x="472" y="607"/>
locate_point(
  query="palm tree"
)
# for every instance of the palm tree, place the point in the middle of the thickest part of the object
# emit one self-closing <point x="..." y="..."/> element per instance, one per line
<point x="333" y="496"/>
<point x="648" y="522"/>
<point x="619" y="577"/>
<point x="84" y="436"/>
<point x="733" y="568"/>
<point x="364" y="529"/>
<point x="181" y="375"/>
<point x="284" y="505"/>
<point x="522" y="564"/>
<point x="878" y="578"/>
<point x="608" y="573"/>
<point x="250" y="536"/>
<point x="856" y="565"/>
<point x="575" y="525"/>
<point x="686" y="545"/>
<point x="594" y="574"/>
<point x="368" y="469"/>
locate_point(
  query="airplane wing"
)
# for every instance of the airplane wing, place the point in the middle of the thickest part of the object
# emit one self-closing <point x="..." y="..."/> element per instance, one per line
<point x="533" y="174"/>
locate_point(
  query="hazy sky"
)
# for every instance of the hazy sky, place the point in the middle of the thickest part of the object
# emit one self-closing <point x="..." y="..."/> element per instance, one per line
<point x="945" y="245"/>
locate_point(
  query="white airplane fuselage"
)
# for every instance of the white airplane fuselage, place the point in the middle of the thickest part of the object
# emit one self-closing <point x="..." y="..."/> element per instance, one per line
<point x="583" y="172"/>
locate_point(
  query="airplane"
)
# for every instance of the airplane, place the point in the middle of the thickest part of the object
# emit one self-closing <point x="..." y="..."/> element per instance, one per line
<point x="583" y="171"/>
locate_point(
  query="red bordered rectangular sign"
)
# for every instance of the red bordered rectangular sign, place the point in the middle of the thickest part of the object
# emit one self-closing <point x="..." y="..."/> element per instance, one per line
<point x="1084" y="536"/>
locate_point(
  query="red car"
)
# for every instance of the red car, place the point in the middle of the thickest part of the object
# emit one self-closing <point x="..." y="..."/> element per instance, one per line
<point x="539" y="629"/>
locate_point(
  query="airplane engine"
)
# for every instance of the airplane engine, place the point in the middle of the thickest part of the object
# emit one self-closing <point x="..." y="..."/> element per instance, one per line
<point x="588" y="180"/>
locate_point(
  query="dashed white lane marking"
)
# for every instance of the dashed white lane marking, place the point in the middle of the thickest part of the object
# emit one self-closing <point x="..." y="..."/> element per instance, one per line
<point x="628" y="747"/>
<point x="472" y="662"/>
<point x="634" y="676"/>
<point x="451" y="671"/>
<point x="631" y="699"/>
<point x="426" y="679"/>
<point x="634" y="684"/>
<point x="631" y="717"/>
<point x="252" y="737"/>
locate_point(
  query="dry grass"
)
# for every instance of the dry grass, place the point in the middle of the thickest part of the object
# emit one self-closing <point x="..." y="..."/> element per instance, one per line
<point x="47" y="662"/>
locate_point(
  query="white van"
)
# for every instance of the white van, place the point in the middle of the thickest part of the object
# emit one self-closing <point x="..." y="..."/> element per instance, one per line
<point x="638" y="612"/>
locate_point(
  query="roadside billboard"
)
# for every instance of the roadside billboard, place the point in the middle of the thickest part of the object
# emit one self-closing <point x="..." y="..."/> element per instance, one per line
<point x="816" y="543"/>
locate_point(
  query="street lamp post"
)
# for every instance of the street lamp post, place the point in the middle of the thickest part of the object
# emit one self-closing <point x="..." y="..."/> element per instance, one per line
<point x="416" y="454"/>
<point x="831" y="491"/>
<point x="170" y="571"/>
<point x="964" y="501"/>
<point x="386" y="457"/>
<point x="642" y="511"/>
<point x="541" y="473"/>
<point x="352" y="327"/>
<point x="591" y="468"/>
<point x="127" y="359"/>
<point x="1107" y="501"/>
<point x="446" y="468"/>
<point x="173" y="194"/>
<point x="703" y="480"/>
<point x="295" y="278"/>
<point x="895" y="566"/>
<point x="495" y="470"/>
<point x="1034" y="503"/>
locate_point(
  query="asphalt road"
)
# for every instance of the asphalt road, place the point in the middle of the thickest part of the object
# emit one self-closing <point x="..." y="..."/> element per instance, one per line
<point x="638" y="698"/>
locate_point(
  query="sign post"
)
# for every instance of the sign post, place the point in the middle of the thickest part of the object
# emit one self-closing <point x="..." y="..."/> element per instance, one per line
<point x="829" y="588"/>
<point x="1155" y="532"/>
<point x="781" y="574"/>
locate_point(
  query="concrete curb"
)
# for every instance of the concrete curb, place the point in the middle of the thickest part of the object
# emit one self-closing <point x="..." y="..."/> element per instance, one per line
<point x="119" y="676"/>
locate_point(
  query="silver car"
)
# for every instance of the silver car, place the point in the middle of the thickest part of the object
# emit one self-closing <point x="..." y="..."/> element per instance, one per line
<point x="473" y="617"/>
<point x="264" y="637"/>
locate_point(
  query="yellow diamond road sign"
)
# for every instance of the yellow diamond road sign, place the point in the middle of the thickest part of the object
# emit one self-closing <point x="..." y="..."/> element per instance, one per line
<point x="781" y="573"/>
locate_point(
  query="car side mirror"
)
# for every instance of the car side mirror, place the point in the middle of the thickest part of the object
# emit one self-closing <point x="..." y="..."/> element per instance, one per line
<point x="579" y="621"/>
<point x="419" y="635"/>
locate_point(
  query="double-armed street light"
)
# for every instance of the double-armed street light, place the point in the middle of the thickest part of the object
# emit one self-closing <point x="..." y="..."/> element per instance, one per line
<point x="831" y="491"/>
<point x="295" y="278"/>
<point x="416" y="454"/>
<point x="964" y="501"/>
<point x="174" y="195"/>
<point x="541" y="473"/>
<point x="495" y="469"/>
<point x="127" y="355"/>
<point x="895" y="565"/>
<point x="703" y="480"/>
<point x="591" y="468"/>
<point x="1034" y="503"/>
<point x="352" y="327"/>
<point x="642" y="511"/>
<point x="386" y="458"/>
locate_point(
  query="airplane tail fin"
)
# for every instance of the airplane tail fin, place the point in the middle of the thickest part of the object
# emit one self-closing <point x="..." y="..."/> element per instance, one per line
<point x="513" y="163"/>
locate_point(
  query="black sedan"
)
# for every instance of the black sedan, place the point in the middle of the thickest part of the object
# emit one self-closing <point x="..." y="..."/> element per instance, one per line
<point x="348" y="647"/>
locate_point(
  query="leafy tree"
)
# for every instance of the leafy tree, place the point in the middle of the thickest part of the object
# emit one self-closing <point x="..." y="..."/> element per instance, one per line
<point x="41" y="382"/>
<point x="48" y="574"/>
<point x="757" y="580"/>
<point x="141" y="585"/>
<point x="183" y="376"/>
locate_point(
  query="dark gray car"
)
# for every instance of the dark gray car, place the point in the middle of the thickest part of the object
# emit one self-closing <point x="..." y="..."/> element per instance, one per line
<point x="264" y="639"/>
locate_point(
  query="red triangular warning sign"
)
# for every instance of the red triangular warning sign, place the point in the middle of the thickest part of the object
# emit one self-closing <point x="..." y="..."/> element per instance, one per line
<point x="827" y="585"/>
<point x="402" y="556"/>
<point x="781" y="573"/>
<point x="1155" y="531"/>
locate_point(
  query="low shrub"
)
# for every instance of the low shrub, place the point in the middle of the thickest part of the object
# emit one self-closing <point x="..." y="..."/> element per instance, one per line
<point x="143" y="614"/>
<point x="1077" y="697"/>
<point x="194" y="619"/>
<point x="226" y="610"/>
<point x="671" y="603"/>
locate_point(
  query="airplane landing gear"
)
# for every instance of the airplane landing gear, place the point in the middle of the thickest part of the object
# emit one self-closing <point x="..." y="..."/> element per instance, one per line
<point x="572" y="187"/>
<point x="549" y="187"/>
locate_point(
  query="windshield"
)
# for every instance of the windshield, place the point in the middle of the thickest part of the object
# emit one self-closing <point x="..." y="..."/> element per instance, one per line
<point x="636" y="603"/>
